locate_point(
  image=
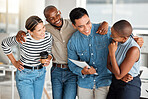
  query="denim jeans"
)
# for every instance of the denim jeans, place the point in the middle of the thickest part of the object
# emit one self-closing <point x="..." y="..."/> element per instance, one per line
<point x="64" y="83"/>
<point x="30" y="83"/>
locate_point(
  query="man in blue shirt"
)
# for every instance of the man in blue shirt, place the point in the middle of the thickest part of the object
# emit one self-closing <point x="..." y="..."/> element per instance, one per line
<point x="86" y="45"/>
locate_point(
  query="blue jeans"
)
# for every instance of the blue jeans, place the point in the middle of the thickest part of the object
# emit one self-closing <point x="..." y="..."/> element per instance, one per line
<point x="30" y="83"/>
<point x="64" y="83"/>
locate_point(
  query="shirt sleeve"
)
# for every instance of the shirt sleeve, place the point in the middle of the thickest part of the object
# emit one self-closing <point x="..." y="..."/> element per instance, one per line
<point x="73" y="55"/>
<point x="7" y="43"/>
<point x="50" y="44"/>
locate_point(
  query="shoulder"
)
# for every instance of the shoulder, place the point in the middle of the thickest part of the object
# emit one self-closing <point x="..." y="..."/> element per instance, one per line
<point x="133" y="50"/>
<point x="68" y="23"/>
<point x="75" y="36"/>
<point x="95" y="26"/>
<point x="47" y="25"/>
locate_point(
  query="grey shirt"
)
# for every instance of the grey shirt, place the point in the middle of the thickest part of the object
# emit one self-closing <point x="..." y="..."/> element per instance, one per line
<point x="60" y="40"/>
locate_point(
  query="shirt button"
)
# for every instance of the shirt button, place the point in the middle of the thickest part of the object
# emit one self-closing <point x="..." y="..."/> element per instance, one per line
<point x="89" y="44"/>
<point x="93" y="62"/>
<point x="94" y="80"/>
<point x="63" y="41"/>
<point x="61" y="32"/>
<point x="82" y="54"/>
<point x="92" y="54"/>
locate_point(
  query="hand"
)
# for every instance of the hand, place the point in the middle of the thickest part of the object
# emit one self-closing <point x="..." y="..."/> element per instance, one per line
<point x="112" y="48"/>
<point x="18" y="65"/>
<point x="127" y="78"/>
<point x="87" y="70"/>
<point x="20" y="36"/>
<point x="139" y="40"/>
<point x="103" y="28"/>
<point x="46" y="61"/>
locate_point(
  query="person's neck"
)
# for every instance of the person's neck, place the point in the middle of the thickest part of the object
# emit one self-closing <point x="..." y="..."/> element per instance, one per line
<point x="58" y="28"/>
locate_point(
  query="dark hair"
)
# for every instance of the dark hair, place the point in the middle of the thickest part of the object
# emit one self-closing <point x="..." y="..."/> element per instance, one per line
<point x="47" y="9"/>
<point x="77" y="13"/>
<point x="32" y="22"/>
<point x="123" y="28"/>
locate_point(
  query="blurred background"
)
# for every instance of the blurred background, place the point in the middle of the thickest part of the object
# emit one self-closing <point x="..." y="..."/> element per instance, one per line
<point x="13" y="14"/>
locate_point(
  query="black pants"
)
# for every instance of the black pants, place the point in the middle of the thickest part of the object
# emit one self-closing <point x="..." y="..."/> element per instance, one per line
<point x="121" y="90"/>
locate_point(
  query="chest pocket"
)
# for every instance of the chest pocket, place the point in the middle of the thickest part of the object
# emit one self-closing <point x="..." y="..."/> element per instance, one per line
<point x="82" y="55"/>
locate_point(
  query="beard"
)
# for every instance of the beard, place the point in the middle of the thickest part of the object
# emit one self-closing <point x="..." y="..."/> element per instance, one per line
<point x="58" y="26"/>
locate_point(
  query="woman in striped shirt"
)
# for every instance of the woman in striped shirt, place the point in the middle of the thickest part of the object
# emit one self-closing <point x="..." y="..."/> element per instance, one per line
<point x="30" y="73"/>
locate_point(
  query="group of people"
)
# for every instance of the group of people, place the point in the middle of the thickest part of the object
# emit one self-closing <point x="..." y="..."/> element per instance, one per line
<point x="110" y="52"/>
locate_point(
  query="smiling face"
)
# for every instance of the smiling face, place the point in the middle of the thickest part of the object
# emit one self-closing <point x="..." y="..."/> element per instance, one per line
<point x="39" y="32"/>
<point x="83" y="24"/>
<point x="53" y="16"/>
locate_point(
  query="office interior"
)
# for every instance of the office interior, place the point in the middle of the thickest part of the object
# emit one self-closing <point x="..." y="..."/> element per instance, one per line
<point x="13" y="14"/>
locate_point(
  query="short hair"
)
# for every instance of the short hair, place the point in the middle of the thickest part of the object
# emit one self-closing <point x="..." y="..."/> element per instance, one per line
<point x="32" y="22"/>
<point x="47" y="9"/>
<point x="77" y="13"/>
<point x="123" y="28"/>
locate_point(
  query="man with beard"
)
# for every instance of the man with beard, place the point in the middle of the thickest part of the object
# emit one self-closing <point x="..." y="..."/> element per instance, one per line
<point x="64" y="82"/>
<point x="86" y="45"/>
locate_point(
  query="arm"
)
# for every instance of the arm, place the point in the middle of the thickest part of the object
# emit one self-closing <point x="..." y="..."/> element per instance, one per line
<point x="20" y="36"/>
<point x="103" y="28"/>
<point x="47" y="61"/>
<point x="131" y="57"/>
<point x="73" y="55"/>
<point x="6" y="45"/>
<point x="17" y="64"/>
<point x="126" y="78"/>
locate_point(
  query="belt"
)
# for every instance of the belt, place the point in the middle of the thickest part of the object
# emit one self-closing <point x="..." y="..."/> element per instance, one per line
<point x="37" y="67"/>
<point x="60" y="65"/>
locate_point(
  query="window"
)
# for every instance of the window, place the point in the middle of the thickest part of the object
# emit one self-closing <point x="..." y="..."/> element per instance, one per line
<point x="9" y="16"/>
<point x="99" y="10"/>
<point x="135" y="11"/>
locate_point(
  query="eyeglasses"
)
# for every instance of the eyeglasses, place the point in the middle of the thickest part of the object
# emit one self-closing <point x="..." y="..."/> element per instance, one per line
<point x="56" y="16"/>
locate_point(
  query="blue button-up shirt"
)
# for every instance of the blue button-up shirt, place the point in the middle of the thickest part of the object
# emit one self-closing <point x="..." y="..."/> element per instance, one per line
<point x="92" y="49"/>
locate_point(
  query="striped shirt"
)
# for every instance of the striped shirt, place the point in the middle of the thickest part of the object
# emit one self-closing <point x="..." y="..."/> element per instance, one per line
<point x="29" y="50"/>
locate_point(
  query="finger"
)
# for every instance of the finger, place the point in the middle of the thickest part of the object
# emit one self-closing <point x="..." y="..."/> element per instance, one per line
<point x="23" y="39"/>
<point x="20" y="41"/>
<point x="103" y="31"/>
<point x="19" y="69"/>
<point x="24" y="34"/>
<point x="116" y="43"/>
<point x="98" y="31"/>
<point x="47" y="60"/>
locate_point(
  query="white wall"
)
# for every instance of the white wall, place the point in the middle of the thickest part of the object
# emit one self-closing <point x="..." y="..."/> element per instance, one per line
<point x="31" y="7"/>
<point x="65" y="6"/>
